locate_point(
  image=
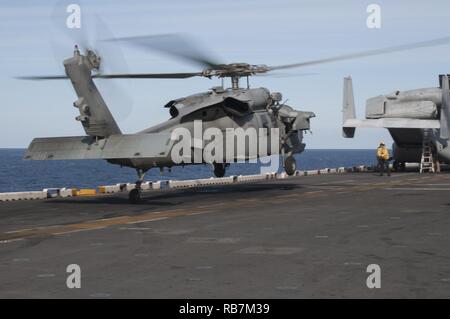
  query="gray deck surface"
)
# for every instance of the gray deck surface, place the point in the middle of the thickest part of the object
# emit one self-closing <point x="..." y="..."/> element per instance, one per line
<point x="301" y="237"/>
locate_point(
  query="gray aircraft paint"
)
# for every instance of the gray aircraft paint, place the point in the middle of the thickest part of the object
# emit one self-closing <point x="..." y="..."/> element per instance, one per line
<point x="220" y="108"/>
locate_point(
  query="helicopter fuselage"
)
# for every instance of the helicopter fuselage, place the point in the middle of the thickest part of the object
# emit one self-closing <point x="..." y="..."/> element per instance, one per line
<point x="256" y="114"/>
<point x="232" y="109"/>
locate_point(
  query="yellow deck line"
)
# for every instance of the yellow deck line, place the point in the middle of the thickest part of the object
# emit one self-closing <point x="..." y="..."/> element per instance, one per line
<point x="92" y="225"/>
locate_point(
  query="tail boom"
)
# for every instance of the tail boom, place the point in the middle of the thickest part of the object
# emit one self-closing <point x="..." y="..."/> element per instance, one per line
<point x="95" y="116"/>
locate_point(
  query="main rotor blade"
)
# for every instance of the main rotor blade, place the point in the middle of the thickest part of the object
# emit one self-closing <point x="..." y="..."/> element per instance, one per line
<point x="76" y="31"/>
<point x="176" y="45"/>
<point x="42" y="77"/>
<point x="79" y="24"/>
<point x="284" y="75"/>
<point x="405" y="47"/>
<point x="148" y="75"/>
<point x="119" y="76"/>
<point x="115" y="93"/>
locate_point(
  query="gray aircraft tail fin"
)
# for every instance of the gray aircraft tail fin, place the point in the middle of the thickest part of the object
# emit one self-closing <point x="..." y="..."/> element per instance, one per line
<point x="445" y="109"/>
<point x="348" y="108"/>
<point x="95" y="116"/>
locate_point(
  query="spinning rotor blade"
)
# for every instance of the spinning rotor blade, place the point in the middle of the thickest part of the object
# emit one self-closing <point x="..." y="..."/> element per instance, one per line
<point x="284" y="75"/>
<point x="148" y="75"/>
<point x="74" y="30"/>
<point x="120" y="76"/>
<point x="115" y="93"/>
<point x="86" y="32"/>
<point x="42" y="77"/>
<point x="176" y="45"/>
<point x="405" y="47"/>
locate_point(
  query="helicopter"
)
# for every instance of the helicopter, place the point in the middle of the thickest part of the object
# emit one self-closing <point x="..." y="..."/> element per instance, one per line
<point x="221" y="108"/>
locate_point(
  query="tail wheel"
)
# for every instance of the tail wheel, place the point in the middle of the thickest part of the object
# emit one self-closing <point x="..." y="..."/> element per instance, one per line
<point x="396" y="165"/>
<point x="290" y="166"/>
<point x="399" y="166"/>
<point x="134" y="196"/>
<point x="219" y="170"/>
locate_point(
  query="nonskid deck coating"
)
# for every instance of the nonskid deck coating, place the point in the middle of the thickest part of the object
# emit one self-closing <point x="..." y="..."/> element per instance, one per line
<point x="315" y="235"/>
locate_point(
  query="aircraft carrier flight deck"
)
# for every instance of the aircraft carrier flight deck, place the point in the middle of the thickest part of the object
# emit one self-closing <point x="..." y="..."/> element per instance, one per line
<point x="308" y="236"/>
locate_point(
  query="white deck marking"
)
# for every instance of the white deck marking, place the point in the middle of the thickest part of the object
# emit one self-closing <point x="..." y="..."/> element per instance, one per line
<point x="46" y="275"/>
<point x="212" y="240"/>
<point x="270" y="250"/>
<point x="417" y="189"/>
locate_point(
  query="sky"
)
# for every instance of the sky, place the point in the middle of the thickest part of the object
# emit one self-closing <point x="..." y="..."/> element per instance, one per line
<point x="253" y="31"/>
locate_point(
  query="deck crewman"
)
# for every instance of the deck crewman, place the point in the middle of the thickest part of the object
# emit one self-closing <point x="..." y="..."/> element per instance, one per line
<point x="383" y="159"/>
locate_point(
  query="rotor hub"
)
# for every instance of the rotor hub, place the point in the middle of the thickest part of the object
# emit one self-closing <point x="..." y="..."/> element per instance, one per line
<point x="235" y="70"/>
<point x="93" y="59"/>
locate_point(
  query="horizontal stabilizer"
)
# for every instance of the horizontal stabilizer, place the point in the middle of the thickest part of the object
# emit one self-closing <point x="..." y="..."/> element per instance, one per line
<point x="126" y="146"/>
<point x="393" y="123"/>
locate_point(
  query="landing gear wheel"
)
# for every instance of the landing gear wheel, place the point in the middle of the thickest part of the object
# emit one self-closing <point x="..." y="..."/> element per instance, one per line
<point x="396" y="165"/>
<point x="134" y="196"/>
<point x="399" y="166"/>
<point x="402" y="166"/>
<point x="219" y="170"/>
<point x="290" y="165"/>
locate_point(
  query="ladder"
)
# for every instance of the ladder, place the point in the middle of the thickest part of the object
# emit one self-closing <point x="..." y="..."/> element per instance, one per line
<point x="427" y="162"/>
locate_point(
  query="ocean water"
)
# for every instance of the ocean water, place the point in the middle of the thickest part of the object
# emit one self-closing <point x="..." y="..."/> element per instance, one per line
<point x="17" y="174"/>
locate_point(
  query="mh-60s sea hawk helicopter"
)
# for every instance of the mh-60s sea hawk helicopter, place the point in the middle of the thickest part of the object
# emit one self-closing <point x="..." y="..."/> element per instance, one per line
<point x="222" y="108"/>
